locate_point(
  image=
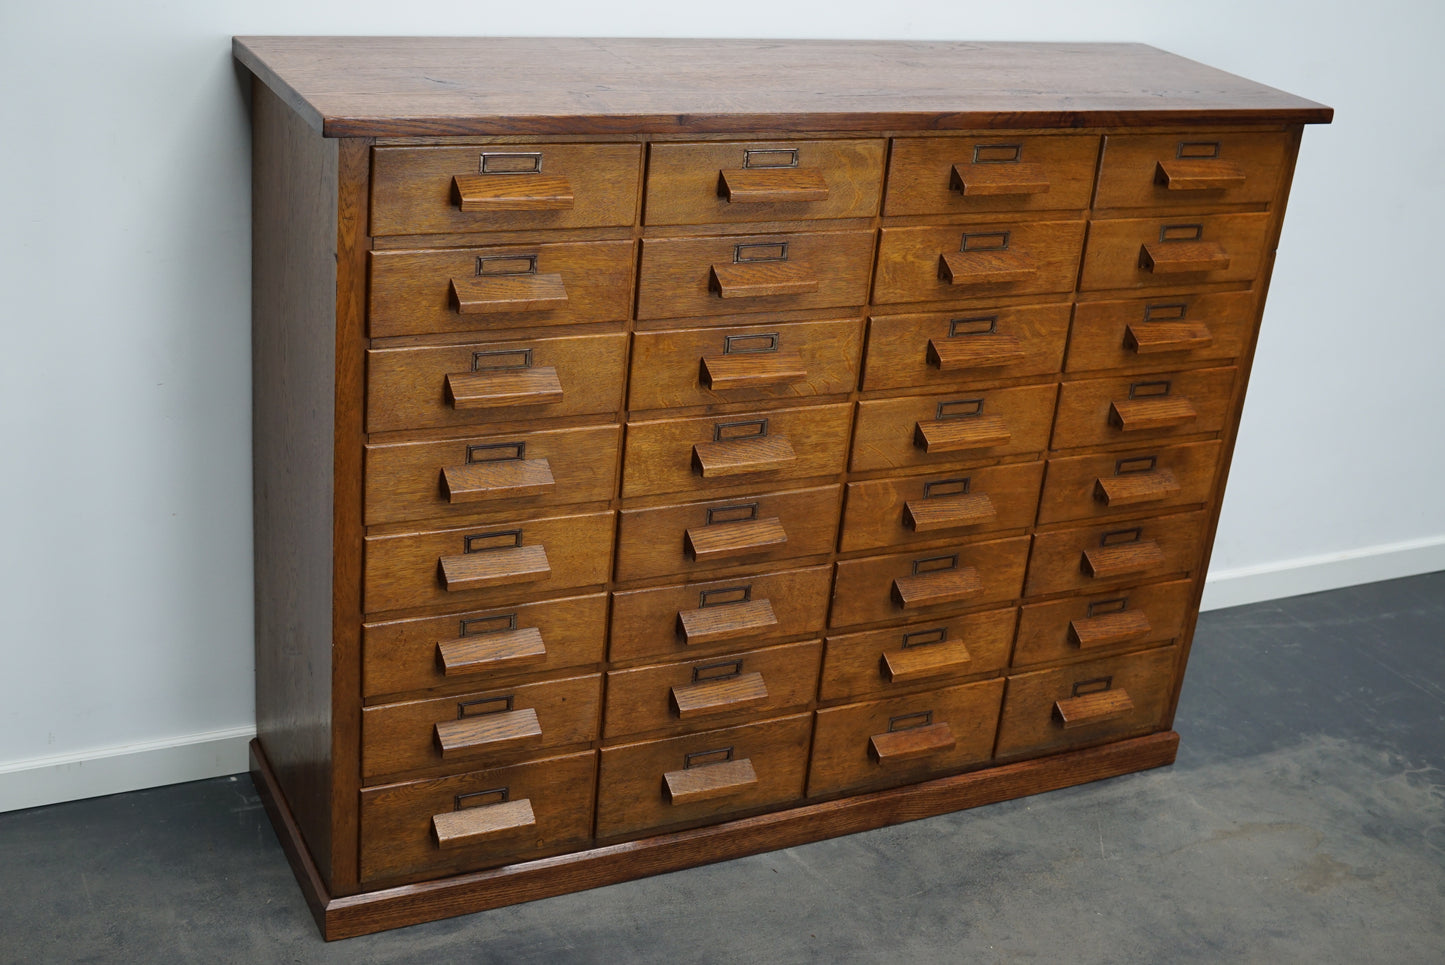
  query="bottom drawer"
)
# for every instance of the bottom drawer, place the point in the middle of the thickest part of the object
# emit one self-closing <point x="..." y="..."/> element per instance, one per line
<point x="477" y="820"/>
<point x="714" y="775"/>
<point x="1086" y="703"/>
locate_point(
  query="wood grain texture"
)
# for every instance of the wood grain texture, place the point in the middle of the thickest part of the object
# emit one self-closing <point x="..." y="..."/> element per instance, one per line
<point x="865" y="664"/>
<point x="888" y="430"/>
<point x="508" y="821"/>
<point x="965" y="175"/>
<point x="1221" y="168"/>
<point x="708" y="782"/>
<point x="1084" y="487"/>
<point x="1015" y="258"/>
<point x="955" y="348"/>
<point x="1067" y="629"/>
<point x="1226" y="247"/>
<point x="1120" y="334"/>
<point x="1087" y="408"/>
<point x="863" y="591"/>
<point x="1166" y="545"/>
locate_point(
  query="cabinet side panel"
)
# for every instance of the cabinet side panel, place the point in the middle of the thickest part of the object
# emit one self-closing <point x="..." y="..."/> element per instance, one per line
<point x="293" y="300"/>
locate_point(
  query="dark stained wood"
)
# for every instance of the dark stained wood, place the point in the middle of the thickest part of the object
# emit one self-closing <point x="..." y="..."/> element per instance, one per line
<point x="895" y="747"/>
<point x="507" y="821"/>
<point x="1091" y="709"/>
<point x="692" y="785"/>
<point x="490" y="390"/>
<point x="499" y="733"/>
<point x="492" y="652"/>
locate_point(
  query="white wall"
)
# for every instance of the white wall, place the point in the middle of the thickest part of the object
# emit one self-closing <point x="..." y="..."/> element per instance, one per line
<point x="124" y="399"/>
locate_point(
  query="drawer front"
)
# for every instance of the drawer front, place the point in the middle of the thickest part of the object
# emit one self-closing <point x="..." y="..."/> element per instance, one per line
<point x="488" y="564"/>
<point x="1086" y="703"/>
<point x="679" y="540"/>
<point x="964" y="261"/>
<point x="503" y="187"/>
<point x="704" y="366"/>
<point x="1183" y="250"/>
<point x="721" y="182"/>
<point x="1137" y="335"/>
<point x="757" y="273"/>
<point x="456" y="385"/>
<point x="1084" y="487"/>
<point x="1080" y="628"/>
<point x="882" y="661"/>
<point x="483" y="474"/>
<point x="953" y="348"/>
<point x="479" y="647"/>
<point x="931" y="581"/>
<point x="903" y="740"/>
<point x="426" y="828"/>
<point x="700" y="778"/>
<point x="715" y="691"/>
<point x="1115" y="554"/>
<point x="1188" y="170"/>
<point x="748" y="449"/>
<point x="1098" y="412"/>
<point x="896" y="512"/>
<point x="677" y="622"/>
<point x="479" y="729"/>
<point x="965" y="175"/>
<point x="503" y="287"/>
<point x="968" y="425"/>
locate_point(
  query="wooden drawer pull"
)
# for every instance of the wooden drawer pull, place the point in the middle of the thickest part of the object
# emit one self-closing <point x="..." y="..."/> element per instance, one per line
<point x="1183" y="257"/>
<point x="1213" y="174"/>
<point x="511" y="192"/>
<point x="730" y="621"/>
<point x="762" y="279"/>
<point x="984" y="267"/>
<point x="501" y="479"/>
<point x="491" y="652"/>
<point x="1162" y="412"/>
<point x="742" y="692"/>
<point x="1109" y="629"/>
<point x="1095" y="708"/>
<point x="1107" y="562"/>
<point x="1136" y="487"/>
<point x="751" y="370"/>
<point x="974" y="352"/>
<point x="502" y="567"/>
<point x="911" y="744"/>
<point x="488" y="294"/>
<point x="738" y="457"/>
<point x="770" y="185"/>
<point x="742" y="538"/>
<point x="505" y="731"/>
<point x="920" y="663"/>
<point x="694" y="784"/>
<point x="957" y="435"/>
<point x="1167" y="337"/>
<point x="505" y="387"/>
<point x="992" y="180"/>
<point x="932" y="589"/>
<point x="948" y="512"/>
<point x="482" y="825"/>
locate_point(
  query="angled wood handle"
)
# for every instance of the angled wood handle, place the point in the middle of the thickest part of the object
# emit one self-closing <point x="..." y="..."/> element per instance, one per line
<point x="504" y="387"/>
<point x="922" y="663"/>
<point x="1108" y="629"/>
<point x="491" y="652"/>
<point x="741" y="538"/>
<point x="1133" y="488"/>
<point x="948" y="512"/>
<point x="511" y="192"/>
<point x="984" y="267"/>
<point x="958" y="435"/>
<point x="1166" y="337"/>
<point x="974" y="351"/>
<point x="772" y="185"/>
<point x="1124" y="559"/>
<point x="762" y="279"/>
<point x="1206" y="174"/>
<point x="907" y="745"/>
<point x="1183" y="257"/>
<point x="498" y="479"/>
<point x="738" y="457"/>
<point x="692" y="785"/>
<point x="1159" y="412"/>
<point x="728" y="621"/>
<point x="506" y="731"/>
<point x="751" y="370"/>
<point x="991" y="180"/>
<point x="1095" y="708"/>
<point x="742" y="692"/>
<point x="499" y="567"/>
<point x="490" y="294"/>
<point x="488" y="824"/>
<point x="941" y="586"/>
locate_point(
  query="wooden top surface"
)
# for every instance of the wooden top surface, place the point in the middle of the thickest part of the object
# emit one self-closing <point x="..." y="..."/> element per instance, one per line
<point x="404" y="86"/>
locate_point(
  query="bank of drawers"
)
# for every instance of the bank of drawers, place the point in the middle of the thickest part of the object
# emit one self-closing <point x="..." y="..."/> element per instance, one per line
<point x="710" y="478"/>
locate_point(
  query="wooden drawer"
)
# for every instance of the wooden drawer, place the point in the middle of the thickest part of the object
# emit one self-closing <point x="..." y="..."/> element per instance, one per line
<point x="762" y="448"/>
<point x="753" y="273"/>
<point x="879" y="661"/>
<point x="952" y="348"/>
<point x="966" y="175"/>
<point x="895" y="512"/>
<point x="1100" y="412"/>
<point x="1082" y="487"/>
<point x="731" y="688"/>
<point x="1137" y="335"/>
<point x="903" y="740"/>
<point x="936" y="580"/>
<point x="1086" y="703"/>
<point x="477" y="820"/>
<point x="479" y="729"/>
<point x="702" y="778"/>
<point x="677" y="622"/>
<point x="962" y="261"/>
<point x="1179" y="251"/>
<point x="487" y="564"/>
<point x="970" y="424"/>
<point x="704" y="366"/>
<point x="503" y="187"/>
<point x="1189" y="170"/>
<point x="1078" y="628"/>
<point x="512" y="286"/>
<point x="721" y="182"/>
<point x="454" y="385"/>
<point x="679" y="540"/>
<point x="514" y="472"/>
<point x="1114" y="554"/>
<point x="480" y="647"/>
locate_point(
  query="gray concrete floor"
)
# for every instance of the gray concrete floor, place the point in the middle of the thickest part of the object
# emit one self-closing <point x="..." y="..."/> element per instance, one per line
<point x="1303" y="821"/>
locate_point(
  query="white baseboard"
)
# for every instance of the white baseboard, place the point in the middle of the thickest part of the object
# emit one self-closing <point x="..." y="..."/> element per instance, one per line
<point x="1328" y="571"/>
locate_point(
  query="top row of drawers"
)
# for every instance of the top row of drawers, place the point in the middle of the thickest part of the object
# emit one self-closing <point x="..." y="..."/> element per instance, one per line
<point x="426" y="190"/>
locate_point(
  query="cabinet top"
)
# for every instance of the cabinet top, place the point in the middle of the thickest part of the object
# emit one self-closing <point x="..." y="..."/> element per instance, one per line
<point x="420" y="86"/>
